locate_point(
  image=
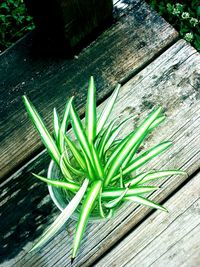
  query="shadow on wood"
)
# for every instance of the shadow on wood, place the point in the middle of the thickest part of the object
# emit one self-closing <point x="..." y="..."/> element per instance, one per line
<point x="25" y="213"/>
<point x="64" y="26"/>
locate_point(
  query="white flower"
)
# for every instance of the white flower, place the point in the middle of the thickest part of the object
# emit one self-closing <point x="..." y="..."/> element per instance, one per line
<point x="185" y="15"/>
<point x="189" y="36"/>
<point x="194" y="22"/>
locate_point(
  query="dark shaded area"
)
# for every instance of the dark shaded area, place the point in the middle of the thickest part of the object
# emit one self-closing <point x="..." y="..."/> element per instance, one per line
<point x="64" y="27"/>
<point x="25" y="209"/>
<point x="49" y="33"/>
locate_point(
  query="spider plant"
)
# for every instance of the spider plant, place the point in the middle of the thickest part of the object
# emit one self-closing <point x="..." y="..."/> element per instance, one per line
<point x="97" y="167"/>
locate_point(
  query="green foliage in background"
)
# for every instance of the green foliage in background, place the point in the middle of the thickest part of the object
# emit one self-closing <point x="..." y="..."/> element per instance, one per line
<point x="184" y="15"/>
<point x="14" y="22"/>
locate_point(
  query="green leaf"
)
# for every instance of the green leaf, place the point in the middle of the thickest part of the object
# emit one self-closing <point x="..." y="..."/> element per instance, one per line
<point x="113" y="203"/>
<point x="107" y="109"/>
<point x="122" y="179"/>
<point x="80" y="134"/>
<point x="64" y="169"/>
<point x="105" y="137"/>
<point x="66" y="160"/>
<point x="98" y="165"/>
<point x="76" y="153"/>
<point x="135" y="148"/>
<point x="63" y="217"/>
<point x="101" y="211"/>
<point x="116" y="192"/>
<point x="42" y="130"/>
<point x="73" y="187"/>
<point x="115" y="133"/>
<point x="157" y="122"/>
<point x="137" y="179"/>
<point x="64" y="125"/>
<point x="160" y="174"/>
<point x="90" y="169"/>
<point x="56" y="123"/>
<point x="117" y="149"/>
<point x="89" y="150"/>
<point x="120" y="145"/>
<point x="91" y="117"/>
<point x="138" y="135"/>
<point x="145" y="202"/>
<point x="86" y="209"/>
<point x="130" y="155"/>
<point x="146" y="156"/>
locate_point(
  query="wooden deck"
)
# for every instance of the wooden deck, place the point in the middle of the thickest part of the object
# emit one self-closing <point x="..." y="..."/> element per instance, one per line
<point x="143" y="52"/>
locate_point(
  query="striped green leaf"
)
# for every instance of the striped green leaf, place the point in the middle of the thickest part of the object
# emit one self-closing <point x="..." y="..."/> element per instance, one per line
<point x="65" y="171"/>
<point x="98" y="164"/>
<point x="115" y="133"/>
<point x="105" y="137"/>
<point x="136" y="179"/>
<point x="160" y="174"/>
<point x="120" y="145"/>
<point x="107" y="110"/>
<point x="73" y="187"/>
<point x="130" y="155"/>
<point x="145" y="202"/>
<point x="90" y="117"/>
<point x="80" y="133"/>
<point x="63" y="217"/>
<point x="157" y="122"/>
<point x="113" y="203"/>
<point x="117" y="149"/>
<point x="42" y="130"/>
<point x="116" y="192"/>
<point x="86" y="209"/>
<point x="66" y="160"/>
<point x="56" y="124"/>
<point x="89" y="168"/>
<point x="64" y="125"/>
<point x="136" y="147"/>
<point x="145" y="157"/>
<point x="104" y="215"/>
<point x="121" y="181"/>
<point x="138" y="135"/>
<point x="76" y="153"/>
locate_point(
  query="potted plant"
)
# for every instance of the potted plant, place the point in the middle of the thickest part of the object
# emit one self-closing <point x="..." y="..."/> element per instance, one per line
<point x="94" y="174"/>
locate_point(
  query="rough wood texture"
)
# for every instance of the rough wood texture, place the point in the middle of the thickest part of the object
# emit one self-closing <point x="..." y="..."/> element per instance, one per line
<point x="172" y="80"/>
<point x="127" y="46"/>
<point x="164" y="239"/>
<point x="64" y="23"/>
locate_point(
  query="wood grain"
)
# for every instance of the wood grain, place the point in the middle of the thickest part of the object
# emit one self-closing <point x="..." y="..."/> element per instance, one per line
<point x="137" y="36"/>
<point x="164" y="239"/>
<point x="172" y="80"/>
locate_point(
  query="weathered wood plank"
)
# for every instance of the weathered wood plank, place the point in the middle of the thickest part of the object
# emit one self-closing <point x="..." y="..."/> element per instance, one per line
<point x="136" y="38"/>
<point x="164" y="239"/>
<point x="172" y="80"/>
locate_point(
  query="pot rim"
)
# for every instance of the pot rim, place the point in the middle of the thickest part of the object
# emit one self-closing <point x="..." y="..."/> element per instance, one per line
<point x="50" y="188"/>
